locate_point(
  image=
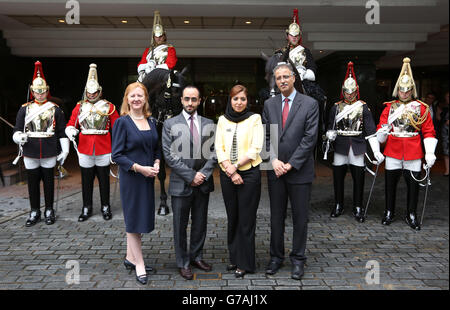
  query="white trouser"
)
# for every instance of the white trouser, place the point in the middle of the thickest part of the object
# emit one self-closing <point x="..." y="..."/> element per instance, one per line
<point x="89" y="161"/>
<point x="352" y="159"/>
<point x="395" y="164"/>
<point x="33" y="163"/>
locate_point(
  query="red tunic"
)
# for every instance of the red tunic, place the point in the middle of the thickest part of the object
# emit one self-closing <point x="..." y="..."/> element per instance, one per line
<point x="408" y="148"/>
<point x="86" y="143"/>
<point x="171" y="59"/>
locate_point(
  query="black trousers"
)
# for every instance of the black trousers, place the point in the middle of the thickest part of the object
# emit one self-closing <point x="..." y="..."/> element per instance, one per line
<point x="34" y="176"/>
<point x="241" y="203"/>
<point x="87" y="182"/>
<point x="299" y="195"/>
<point x="197" y="205"/>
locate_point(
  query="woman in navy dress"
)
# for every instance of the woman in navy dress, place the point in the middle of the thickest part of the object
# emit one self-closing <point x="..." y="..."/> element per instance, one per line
<point x="135" y="149"/>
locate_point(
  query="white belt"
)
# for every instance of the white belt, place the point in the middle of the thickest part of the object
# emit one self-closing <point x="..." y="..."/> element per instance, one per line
<point x="348" y="133"/>
<point x="404" y="134"/>
<point x="94" y="132"/>
<point x="40" y="134"/>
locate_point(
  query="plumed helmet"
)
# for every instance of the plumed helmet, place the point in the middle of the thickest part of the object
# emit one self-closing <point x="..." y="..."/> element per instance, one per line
<point x="294" y="28"/>
<point x="405" y="81"/>
<point x="39" y="85"/>
<point x="92" y="85"/>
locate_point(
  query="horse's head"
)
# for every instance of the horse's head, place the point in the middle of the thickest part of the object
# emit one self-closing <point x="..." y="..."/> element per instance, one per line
<point x="165" y="95"/>
<point x="271" y="63"/>
<point x="178" y="82"/>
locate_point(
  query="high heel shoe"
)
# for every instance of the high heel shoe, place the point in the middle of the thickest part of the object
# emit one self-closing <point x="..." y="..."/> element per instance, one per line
<point x="239" y="273"/>
<point x="142" y="279"/>
<point x="231" y="267"/>
<point x="130" y="266"/>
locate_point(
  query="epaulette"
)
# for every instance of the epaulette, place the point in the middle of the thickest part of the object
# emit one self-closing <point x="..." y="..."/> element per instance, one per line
<point x="25" y="104"/>
<point x="420" y="101"/>
<point x="363" y="101"/>
<point x="337" y="103"/>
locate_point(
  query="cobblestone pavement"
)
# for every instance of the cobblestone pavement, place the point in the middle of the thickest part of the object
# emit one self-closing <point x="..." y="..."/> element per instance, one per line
<point x="44" y="257"/>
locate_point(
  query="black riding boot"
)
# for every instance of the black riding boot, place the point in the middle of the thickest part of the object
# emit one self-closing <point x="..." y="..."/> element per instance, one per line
<point x="48" y="178"/>
<point x="338" y="182"/>
<point x="358" y="192"/>
<point x="412" y="199"/>
<point x="103" y="184"/>
<point x="390" y="189"/>
<point x="87" y="183"/>
<point x="34" y="192"/>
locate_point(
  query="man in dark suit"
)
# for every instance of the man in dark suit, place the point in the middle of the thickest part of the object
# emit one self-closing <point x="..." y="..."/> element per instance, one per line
<point x="188" y="147"/>
<point x="291" y="149"/>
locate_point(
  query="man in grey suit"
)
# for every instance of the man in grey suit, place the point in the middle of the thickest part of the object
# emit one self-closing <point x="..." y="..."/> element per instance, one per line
<point x="291" y="149"/>
<point x="188" y="147"/>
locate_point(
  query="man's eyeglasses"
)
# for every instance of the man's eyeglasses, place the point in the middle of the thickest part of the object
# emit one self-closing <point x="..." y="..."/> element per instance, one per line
<point x="193" y="99"/>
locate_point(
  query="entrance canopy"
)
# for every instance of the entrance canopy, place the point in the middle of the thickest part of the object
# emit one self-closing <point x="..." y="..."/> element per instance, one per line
<point x="227" y="28"/>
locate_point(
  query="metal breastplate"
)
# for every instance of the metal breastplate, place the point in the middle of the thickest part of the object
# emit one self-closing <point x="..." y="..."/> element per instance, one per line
<point x="158" y="54"/>
<point x="94" y="118"/>
<point x="352" y="123"/>
<point x="43" y="125"/>
<point x="401" y="127"/>
<point x="298" y="56"/>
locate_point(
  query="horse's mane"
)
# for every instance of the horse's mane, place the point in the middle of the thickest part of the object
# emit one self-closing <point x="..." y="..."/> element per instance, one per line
<point x="155" y="80"/>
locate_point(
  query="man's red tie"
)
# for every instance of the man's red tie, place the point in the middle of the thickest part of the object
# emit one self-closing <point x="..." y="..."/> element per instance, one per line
<point x="285" y="111"/>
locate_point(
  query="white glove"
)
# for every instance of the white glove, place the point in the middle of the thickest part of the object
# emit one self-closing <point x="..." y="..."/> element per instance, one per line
<point x="71" y="132"/>
<point x="301" y="71"/>
<point x="309" y="75"/>
<point x="64" y="150"/>
<point x="430" y="147"/>
<point x="375" y="146"/>
<point x="382" y="134"/>
<point x="331" y="135"/>
<point x="20" y="137"/>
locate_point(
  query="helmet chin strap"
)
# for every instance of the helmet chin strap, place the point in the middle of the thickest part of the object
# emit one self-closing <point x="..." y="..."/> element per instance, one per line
<point x="94" y="99"/>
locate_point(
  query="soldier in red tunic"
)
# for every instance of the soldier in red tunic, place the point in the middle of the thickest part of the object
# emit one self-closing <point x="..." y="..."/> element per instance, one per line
<point x="402" y="123"/>
<point x="95" y="117"/>
<point x="160" y="54"/>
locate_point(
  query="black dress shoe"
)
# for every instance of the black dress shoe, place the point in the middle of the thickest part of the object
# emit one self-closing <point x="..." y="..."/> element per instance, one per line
<point x="411" y="220"/>
<point x="49" y="216"/>
<point x="239" y="273"/>
<point x="231" y="267"/>
<point x="201" y="264"/>
<point x="273" y="267"/>
<point x="35" y="216"/>
<point x="106" y="212"/>
<point x="86" y="213"/>
<point x="297" y="271"/>
<point x="337" y="210"/>
<point x="130" y="266"/>
<point x="388" y="218"/>
<point x="142" y="279"/>
<point x="186" y="273"/>
<point x="358" y="213"/>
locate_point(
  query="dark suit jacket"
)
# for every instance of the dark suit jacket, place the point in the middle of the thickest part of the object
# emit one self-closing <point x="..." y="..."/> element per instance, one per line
<point x="177" y="144"/>
<point x="295" y="144"/>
